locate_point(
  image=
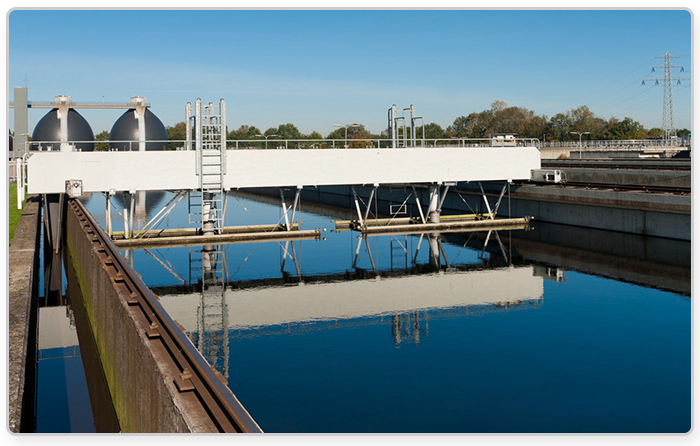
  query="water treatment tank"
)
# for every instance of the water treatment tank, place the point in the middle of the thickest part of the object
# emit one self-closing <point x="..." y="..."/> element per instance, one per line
<point x="48" y="131"/>
<point x="126" y="128"/>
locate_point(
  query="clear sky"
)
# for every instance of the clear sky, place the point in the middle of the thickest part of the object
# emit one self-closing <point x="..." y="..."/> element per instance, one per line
<point x="318" y="68"/>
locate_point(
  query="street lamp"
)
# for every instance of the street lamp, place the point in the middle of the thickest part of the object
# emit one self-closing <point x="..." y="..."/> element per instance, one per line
<point x="346" y="131"/>
<point x="580" y="144"/>
<point x="265" y="136"/>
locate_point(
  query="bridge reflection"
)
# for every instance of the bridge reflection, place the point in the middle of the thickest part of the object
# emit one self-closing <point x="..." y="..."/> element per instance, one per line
<point x="406" y="294"/>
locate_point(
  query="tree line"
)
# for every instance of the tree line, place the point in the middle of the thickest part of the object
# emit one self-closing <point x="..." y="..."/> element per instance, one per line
<point x="500" y="118"/>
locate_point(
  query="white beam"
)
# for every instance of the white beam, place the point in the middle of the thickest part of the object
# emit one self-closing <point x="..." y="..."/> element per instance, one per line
<point x="173" y="170"/>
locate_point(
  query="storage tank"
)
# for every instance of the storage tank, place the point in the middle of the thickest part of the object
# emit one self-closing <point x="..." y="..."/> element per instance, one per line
<point x="126" y="128"/>
<point x="48" y="131"/>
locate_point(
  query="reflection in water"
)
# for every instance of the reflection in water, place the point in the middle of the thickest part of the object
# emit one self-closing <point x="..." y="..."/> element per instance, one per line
<point x="403" y="293"/>
<point x="437" y="332"/>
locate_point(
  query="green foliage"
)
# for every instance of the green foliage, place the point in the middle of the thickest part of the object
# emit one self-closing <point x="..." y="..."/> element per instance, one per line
<point x="499" y="118"/>
<point x="102" y="146"/>
<point x="176" y="133"/>
<point x="625" y="129"/>
<point x="683" y="133"/>
<point x="14" y="213"/>
<point x="655" y="133"/>
<point x="432" y="131"/>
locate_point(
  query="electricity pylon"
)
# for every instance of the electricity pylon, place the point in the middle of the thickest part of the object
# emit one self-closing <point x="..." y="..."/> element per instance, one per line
<point x="669" y="118"/>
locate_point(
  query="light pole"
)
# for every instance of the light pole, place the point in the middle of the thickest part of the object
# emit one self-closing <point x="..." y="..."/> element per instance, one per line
<point x="346" y="131"/>
<point x="580" y="144"/>
<point x="265" y="136"/>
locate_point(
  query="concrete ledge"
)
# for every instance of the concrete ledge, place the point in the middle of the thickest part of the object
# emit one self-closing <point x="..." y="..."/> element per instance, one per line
<point x="140" y="377"/>
<point x="23" y="291"/>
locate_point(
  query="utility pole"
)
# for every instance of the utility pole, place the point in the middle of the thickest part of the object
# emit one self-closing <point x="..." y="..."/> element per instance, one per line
<point x="669" y="119"/>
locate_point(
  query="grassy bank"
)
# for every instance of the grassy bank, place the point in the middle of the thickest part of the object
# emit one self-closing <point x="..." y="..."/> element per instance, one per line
<point x="14" y="213"/>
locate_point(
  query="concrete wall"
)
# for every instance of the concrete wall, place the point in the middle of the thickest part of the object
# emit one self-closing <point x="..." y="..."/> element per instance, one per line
<point x="22" y="297"/>
<point x="140" y="384"/>
<point x="658" y="215"/>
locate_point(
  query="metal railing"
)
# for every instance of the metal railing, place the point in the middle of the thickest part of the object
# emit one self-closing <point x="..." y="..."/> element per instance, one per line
<point x="624" y="144"/>
<point x="285" y="144"/>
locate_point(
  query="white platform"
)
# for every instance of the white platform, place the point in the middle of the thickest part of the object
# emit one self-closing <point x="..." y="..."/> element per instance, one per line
<point x="176" y="170"/>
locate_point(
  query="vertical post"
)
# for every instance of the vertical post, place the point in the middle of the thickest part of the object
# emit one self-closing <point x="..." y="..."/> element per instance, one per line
<point x="433" y="210"/>
<point x="188" y="126"/>
<point x="413" y="125"/>
<point x="369" y="203"/>
<point x="488" y="207"/>
<point x="108" y="215"/>
<point x="420" y="209"/>
<point x="284" y="210"/>
<point x="131" y="213"/>
<point x="19" y="167"/>
<point x="222" y="121"/>
<point x="21" y="121"/>
<point x="139" y="105"/>
<point x="126" y="223"/>
<point x="294" y="206"/>
<point x="357" y="206"/>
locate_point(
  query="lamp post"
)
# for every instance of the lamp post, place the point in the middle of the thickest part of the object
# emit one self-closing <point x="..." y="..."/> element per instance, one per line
<point x="346" y="131"/>
<point x="265" y="136"/>
<point x="580" y="144"/>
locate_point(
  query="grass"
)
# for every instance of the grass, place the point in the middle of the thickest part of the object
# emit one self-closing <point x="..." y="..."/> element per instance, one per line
<point x="14" y="213"/>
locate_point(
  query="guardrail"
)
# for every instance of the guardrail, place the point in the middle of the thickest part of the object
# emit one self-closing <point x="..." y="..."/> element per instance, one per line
<point x="286" y="144"/>
<point x="625" y="144"/>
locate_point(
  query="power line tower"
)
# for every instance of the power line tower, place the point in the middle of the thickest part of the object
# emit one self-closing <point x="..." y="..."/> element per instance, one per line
<point x="669" y="118"/>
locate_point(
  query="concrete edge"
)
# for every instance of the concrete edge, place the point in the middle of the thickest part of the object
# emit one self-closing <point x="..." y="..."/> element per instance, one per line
<point x="23" y="290"/>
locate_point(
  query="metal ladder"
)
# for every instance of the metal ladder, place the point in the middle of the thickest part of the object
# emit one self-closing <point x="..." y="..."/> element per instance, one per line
<point x="212" y="312"/>
<point x="206" y="204"/>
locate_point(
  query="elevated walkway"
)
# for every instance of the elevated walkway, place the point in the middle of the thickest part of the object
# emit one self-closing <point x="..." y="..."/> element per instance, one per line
<point x="47" y="172"/>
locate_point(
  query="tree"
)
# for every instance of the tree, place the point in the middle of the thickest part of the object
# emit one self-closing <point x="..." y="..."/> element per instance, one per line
<point x="432" y="131"/>
<point x="102" y="146"/>
<point x="498" y="105"/>
<point x="244" y="132"/>
<point x="560" y="125"/>
<point x="511" y="120"/>
<point x="655" y="133"/>
<point x="625" y="129"/>
<point x="683" y="133"/>
<point x="177" y="133"/>
<point x="286" y="131"/>
<point x="582" y="119"/>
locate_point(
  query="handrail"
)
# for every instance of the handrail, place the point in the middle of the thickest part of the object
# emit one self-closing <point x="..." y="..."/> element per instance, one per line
<point x="305" y="144"/>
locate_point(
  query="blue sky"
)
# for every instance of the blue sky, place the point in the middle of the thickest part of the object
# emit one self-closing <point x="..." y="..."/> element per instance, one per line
<point x="319" y="68"/>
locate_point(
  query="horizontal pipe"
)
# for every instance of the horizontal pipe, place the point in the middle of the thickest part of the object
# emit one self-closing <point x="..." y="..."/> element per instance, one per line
<point x="194" y="240"/>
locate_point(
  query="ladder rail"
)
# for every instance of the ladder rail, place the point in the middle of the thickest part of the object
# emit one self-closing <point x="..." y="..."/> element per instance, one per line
<point x="210" y="144"/>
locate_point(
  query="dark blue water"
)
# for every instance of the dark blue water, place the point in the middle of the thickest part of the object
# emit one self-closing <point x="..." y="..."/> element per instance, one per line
<point x="380" y="339"/>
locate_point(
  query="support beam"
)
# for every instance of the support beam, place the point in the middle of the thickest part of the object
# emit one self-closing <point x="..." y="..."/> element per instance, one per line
<point x="357" y="207"/>
<point x="488" y="206"/>
<point x="433" y="207"/>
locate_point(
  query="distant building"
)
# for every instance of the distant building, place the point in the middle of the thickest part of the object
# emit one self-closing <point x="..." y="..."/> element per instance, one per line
<point x="502" y="139"/>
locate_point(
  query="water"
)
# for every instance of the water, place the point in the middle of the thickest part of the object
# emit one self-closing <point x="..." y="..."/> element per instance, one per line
<point x="404" y="334"/>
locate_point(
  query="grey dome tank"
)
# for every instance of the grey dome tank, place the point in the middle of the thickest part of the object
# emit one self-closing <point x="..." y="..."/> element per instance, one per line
<point x="126" y="128"/>
<point x="48" y="129"/>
